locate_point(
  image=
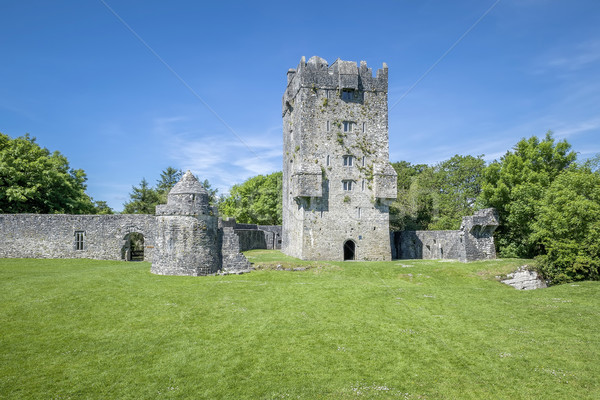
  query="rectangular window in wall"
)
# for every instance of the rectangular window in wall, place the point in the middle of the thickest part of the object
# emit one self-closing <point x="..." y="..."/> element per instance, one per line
<point x="348" y="94"/>
<point x="363" y="161"/>
<point x="79" y="235"/>
<point x="328" y="160"/>
<point x="348" y="126"/>
<point x="347" y="185"/>
<point x="358" y="213"/>
<point x="363" y="185"/>
<point x="327" y="126"/>
<point x="348" y="161"/>
<point x="364" y="127"/>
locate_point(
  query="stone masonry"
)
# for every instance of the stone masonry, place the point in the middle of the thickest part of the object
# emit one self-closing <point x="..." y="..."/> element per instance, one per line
<point x="102" y="237"/>
<point x="473" y="241"/>
<point x="337" y="180"/>
<point x="187" y="241"/>
<point x="182" y="239"/>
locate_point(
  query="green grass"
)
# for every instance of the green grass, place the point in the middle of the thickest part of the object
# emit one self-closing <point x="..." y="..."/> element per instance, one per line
<point x="409" y="329"/>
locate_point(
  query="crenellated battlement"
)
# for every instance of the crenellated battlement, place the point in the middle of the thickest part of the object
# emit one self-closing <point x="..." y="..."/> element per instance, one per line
<point x="317" y="73"/>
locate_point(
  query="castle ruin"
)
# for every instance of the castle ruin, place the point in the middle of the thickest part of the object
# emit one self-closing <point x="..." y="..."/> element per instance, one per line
<point x="337" y="179"/>
<point x="337" y="188"/>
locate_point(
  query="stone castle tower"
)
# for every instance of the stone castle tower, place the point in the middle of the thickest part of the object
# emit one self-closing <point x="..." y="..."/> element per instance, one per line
<point x="337" y="179"/>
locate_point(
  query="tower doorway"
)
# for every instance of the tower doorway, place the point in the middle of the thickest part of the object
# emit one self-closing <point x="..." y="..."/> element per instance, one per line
<point x="349" y="250"/>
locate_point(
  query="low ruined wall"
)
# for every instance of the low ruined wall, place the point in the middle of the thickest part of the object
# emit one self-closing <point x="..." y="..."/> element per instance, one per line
<point x="253" y="236"/>
<point x="251" y="239"/>
<point x="429" y="245"/>
<point x="233" y="260"/>
<point x="53" y="235"/>
<point x="272" y="236"/>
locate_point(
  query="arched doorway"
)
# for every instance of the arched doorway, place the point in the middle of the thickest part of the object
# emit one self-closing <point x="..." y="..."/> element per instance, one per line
<point x="349" y="250"/>
<point x="133" y="250"/>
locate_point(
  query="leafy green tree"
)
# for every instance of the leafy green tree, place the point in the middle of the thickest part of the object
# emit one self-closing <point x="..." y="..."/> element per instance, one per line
<point x="101" y="207"/>
<point x="413" y="208"/>
<point x="515" y="186"/>
<point x="33" y="180"/>
<point x="256" y="201"/>
<point x="457" y="182"/>
<point x="568" y="227"/>
<point x="436" y="197"/>
<point x="143" y="199"/>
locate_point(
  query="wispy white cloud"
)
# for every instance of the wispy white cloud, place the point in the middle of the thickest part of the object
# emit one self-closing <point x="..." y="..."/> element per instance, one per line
<point x="567" y="130"/>
<point x="221" y="158"/>
<point x="569" y="58"/>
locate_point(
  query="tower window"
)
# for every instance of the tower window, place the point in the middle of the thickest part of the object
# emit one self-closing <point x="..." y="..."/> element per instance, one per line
<point x="348" y="161"/>
<point x="364" y="127"/>
<point x="349" y="94"/>
<point x="347" y="185"/>
<point x="327" y="160"/>
<point x="327" y="126"/>
<point x="348" y="126"/>
<point x="79" y="235"/>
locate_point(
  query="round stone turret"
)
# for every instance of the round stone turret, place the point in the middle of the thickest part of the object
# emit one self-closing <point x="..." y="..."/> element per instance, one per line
<point x="187" y="197"/>
<point x="187" y="238"/>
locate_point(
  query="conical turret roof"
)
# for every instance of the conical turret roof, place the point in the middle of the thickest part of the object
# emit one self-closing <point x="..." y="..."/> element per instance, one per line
<point x="188" y="184"/>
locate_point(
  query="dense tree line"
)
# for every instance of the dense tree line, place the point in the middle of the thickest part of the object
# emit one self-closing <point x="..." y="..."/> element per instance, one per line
<point x="34" y="180"/>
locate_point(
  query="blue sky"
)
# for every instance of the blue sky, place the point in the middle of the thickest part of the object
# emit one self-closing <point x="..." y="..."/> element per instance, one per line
<point x="75" y="77"/>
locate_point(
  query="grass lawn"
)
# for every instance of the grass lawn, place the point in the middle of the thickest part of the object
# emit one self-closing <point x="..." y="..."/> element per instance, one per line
<point x="408" y="329"/>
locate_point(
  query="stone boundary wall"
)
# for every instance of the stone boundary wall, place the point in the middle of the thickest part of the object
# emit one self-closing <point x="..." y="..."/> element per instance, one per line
<point x="428" y="245"/>
<point x="53" y="235"/>
<point x="253" y="236"/>
<point x="251" y="239"/>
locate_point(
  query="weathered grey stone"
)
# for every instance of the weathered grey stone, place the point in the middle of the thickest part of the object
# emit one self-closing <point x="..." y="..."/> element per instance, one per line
<point x="187" y="240"/>
<point x="182" y="239"/>
<point x="525" y="278"/>
<point x="474" y="241"/>
<point x="337" y="180"/>
<point x="105" y="237"/>
<point x="253" y="236"/>
<point x="233" y="260"/>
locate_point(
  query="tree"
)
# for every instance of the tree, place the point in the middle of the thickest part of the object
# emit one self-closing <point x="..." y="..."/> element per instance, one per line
<point x="458" y="184"/>
<point x="33" y="180"/>
<point x="256" y="201"/>
<point x="568" y="227"/>
<point x="144" y="199"/>
<point x="102" y="207"/>
<point x="212" y="193"/>
<point x="413" y="207"/>
<point x="515" y="186"/>
<point x="436" y="197"/>
<point x="168" y="178"/>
